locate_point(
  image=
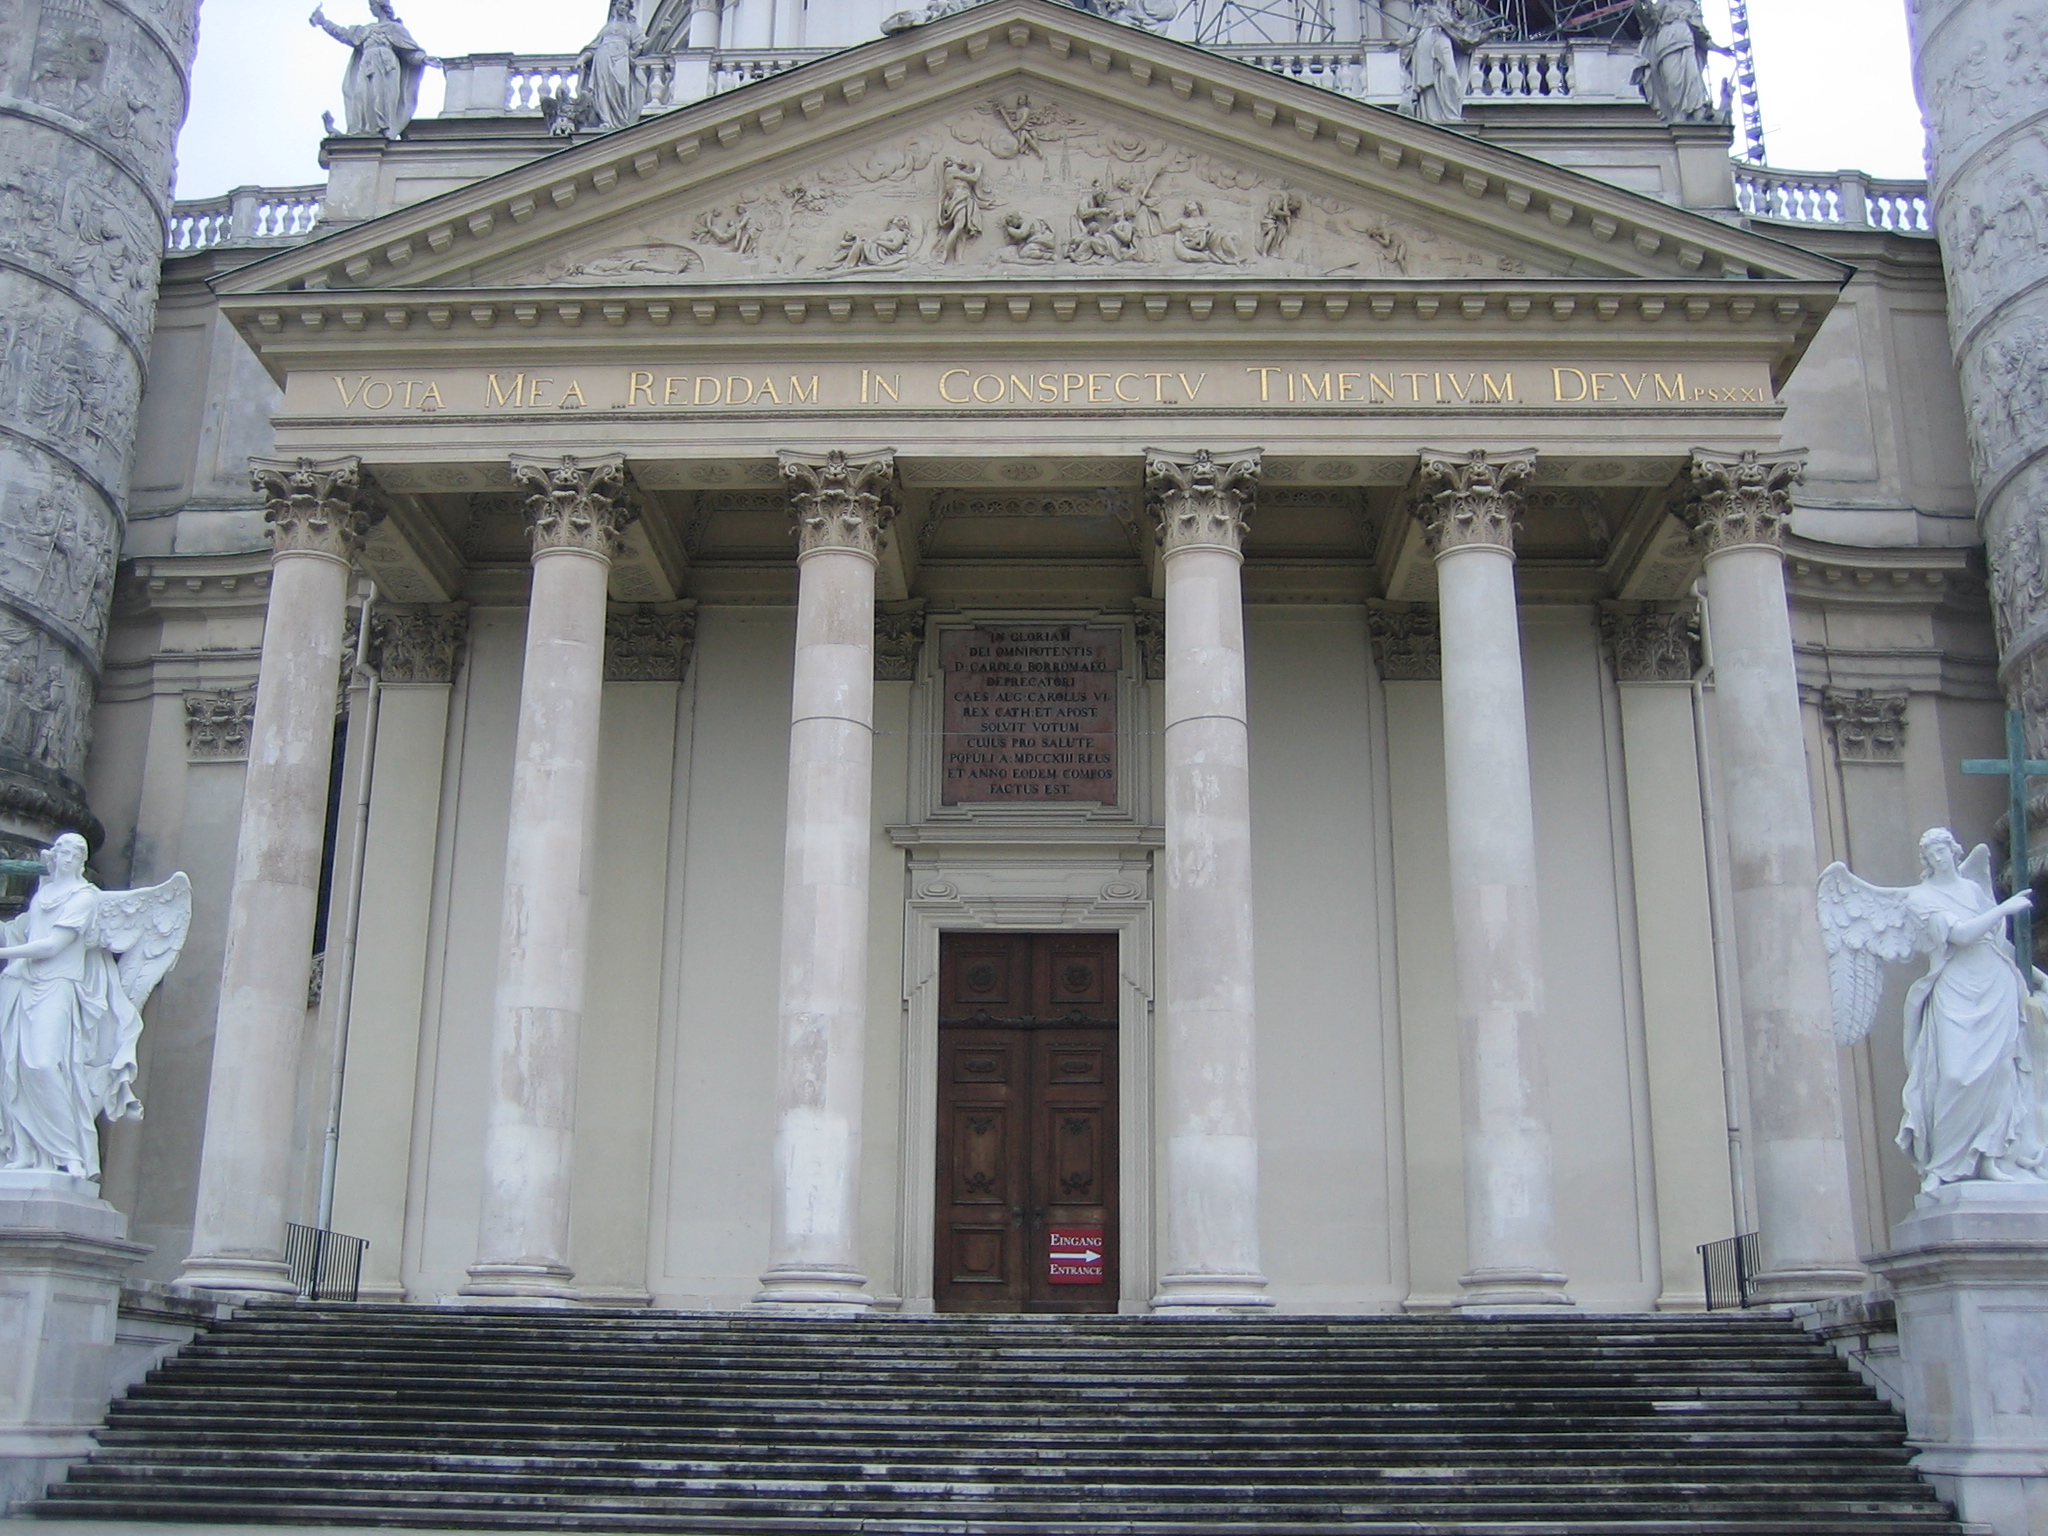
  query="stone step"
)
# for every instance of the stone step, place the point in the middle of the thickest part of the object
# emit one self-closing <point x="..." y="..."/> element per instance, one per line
<point x="694" y="1422"/>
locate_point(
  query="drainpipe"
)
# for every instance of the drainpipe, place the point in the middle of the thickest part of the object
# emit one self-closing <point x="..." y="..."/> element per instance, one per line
<point x="345" y="974"/>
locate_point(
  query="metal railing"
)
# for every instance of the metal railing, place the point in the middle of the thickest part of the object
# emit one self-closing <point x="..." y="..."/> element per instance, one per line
<point x="325" y="1266"/>
<point x="1850" y="199"/>
<point x="1730" y="1268"/>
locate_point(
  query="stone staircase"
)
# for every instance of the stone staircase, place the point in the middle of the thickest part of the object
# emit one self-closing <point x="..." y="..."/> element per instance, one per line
<point x="584" y="1420"/>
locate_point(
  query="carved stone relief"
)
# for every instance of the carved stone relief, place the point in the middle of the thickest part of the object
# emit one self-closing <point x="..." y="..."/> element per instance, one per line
<point x="2019" y="581"/>
<point x="899" y="641"/>
<point x="1022" y="180"/>
<point x="218" y="722"/>
<point x="649" y="642"/>
<point x="1868" y="724"/>
<point x="1407" y="643"/>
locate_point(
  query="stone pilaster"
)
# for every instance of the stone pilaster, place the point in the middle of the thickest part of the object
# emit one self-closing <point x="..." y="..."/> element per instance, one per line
<point x="318" y="514"/>
<point x="899" y="641"/>
<point x="1868" y="724"/>
<point x="1200" y="504"/>
<point x="576" y="514"/>
<point x="1980" y="66"/>
<point x="1470" y="505"/>
<point x="92" y="93"/>
<point x="1738" y="506"/>
<point x="839" y="504"/>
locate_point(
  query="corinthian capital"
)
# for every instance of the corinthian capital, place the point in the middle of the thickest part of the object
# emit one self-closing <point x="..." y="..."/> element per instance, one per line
<point x="1198" y="500"/>
<point x="1466" y="499"/>
<point x="417" y="644"/>
<point x="314" y="506"/>
<point x="575" y="503"/>
<point x="840" y="500"/>
<point x="1733" y="499"/>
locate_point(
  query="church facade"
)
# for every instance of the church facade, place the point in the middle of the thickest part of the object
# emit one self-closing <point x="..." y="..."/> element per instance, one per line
<point x="1025" y="667"/>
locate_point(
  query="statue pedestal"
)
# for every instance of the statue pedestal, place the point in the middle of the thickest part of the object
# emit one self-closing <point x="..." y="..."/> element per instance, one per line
<point x="64" y="1253"/>
<point x="1970" y="1270"/>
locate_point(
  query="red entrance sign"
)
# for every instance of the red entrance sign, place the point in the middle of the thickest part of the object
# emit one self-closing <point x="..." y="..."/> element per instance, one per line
<point x="1073" y="1256"/>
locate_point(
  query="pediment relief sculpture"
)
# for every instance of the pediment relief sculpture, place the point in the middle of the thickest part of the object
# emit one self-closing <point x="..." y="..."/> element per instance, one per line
<point x="1020" y="180"/>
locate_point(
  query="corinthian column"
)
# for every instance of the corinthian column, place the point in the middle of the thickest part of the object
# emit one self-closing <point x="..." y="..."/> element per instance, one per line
<point x="575" y="517"/>
<point x="1978" y="66"/>
<point x="1738" y="506"/>
<point x="1470" y="505"/>
<point x="317" y="527"/>
<point x="1201" y="506"/>
<point x="840" y="503"/>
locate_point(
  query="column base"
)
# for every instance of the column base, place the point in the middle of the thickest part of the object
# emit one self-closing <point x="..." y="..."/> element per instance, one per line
<point x="1512" y="1290"/>
<point x="1783" y="1287"/>
<point x="521" y="1285"/>
<point x="1210" y="1295"/>
<point x="233" y="1278"/>
<point x="825" y="1290"/>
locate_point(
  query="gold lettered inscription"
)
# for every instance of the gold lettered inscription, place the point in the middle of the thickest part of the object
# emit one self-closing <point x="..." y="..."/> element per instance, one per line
<point x="1030" y="715"/>
<point x="998" y="388"/>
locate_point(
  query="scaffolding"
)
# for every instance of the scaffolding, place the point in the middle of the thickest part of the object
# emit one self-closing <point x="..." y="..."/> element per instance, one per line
<point x="1286" y="22"/>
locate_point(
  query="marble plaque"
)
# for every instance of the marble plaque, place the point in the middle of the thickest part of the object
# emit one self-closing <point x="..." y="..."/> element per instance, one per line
<point x="1031" y="714"/>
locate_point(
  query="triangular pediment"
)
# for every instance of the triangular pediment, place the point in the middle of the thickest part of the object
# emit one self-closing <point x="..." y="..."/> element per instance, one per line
<point x="1023" y="138"/>
<point x="1012" y="180"/>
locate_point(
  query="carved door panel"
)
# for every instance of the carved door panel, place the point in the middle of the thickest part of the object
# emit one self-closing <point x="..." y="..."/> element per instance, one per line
<point x="1027" y="1170"/>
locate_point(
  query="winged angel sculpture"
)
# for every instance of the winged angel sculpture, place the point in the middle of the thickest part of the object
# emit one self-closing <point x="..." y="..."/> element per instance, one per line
<point x="81" y="962"/>
<point x="1974" y="1103"/>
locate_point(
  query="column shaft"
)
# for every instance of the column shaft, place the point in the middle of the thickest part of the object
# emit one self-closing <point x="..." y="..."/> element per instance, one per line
<point x="840" y="506"/>
<point x="1470" y="506"/>
<point x="244" y="1164"/>
<point x="544" y="929"/>
<point x="1804" y="1209"/>
<point x="1209" y="998"/>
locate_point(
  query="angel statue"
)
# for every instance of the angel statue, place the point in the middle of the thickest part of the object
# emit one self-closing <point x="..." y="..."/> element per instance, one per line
<point x="1972" y="1104"/>
<point x="80" y="964"/>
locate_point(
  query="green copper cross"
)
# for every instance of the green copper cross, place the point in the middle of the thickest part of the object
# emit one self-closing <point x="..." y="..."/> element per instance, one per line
<point x="2016" y="768"/>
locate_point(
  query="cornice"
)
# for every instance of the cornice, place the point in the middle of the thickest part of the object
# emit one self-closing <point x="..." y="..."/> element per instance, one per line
<point x="168" y="585"/>
<point x="1909" y="576"/>
<point x="1771" y="319"/>
<point x="1582" y="221"/>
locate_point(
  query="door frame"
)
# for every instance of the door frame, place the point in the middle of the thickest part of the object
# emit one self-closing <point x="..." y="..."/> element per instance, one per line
<point x="1067" y="890"/>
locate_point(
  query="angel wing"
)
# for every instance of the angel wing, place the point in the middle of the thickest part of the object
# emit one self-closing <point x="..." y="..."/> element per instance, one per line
<point x="147" y="930"/>
<point x="1863" y="926"/>
<point x="1977" y="870"/>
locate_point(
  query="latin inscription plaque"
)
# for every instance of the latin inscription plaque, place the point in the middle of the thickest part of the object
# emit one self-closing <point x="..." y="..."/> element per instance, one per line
<point x="1030" y="714"/>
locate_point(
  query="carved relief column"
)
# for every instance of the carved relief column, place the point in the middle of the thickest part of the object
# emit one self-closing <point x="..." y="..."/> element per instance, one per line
<point x="840" y="503"/>
<point x="1470" y="505"/>
<point x="1208" y="1004"/>
<point x="317" y="527"/>
<point x="92" y="93"/>
<point x="1980" y="69"/>
<point x="575" y="517"/>
<point x="1738" y="506"/>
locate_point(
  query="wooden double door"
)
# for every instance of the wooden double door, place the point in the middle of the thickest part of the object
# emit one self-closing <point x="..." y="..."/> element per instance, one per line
<point x="1027" y="1176"/>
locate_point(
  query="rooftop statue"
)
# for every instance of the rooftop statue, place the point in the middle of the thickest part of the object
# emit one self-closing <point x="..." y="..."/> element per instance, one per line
<point x="1974" y="1025"/>
<point x="612" y="88"/>
<point x="1673" y="73"/>
<point x="1438" y="57"/>
<point x="382" y="87"/>
<point x="80" y="964"/>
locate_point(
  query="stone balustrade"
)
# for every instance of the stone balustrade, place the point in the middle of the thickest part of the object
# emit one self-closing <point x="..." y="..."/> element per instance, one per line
<point x="1849" y="198"/>
<point x="245" y="216"/>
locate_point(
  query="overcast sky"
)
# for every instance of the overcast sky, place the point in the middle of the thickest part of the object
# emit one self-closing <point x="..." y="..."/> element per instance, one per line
<point x="1834" y="96"/>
